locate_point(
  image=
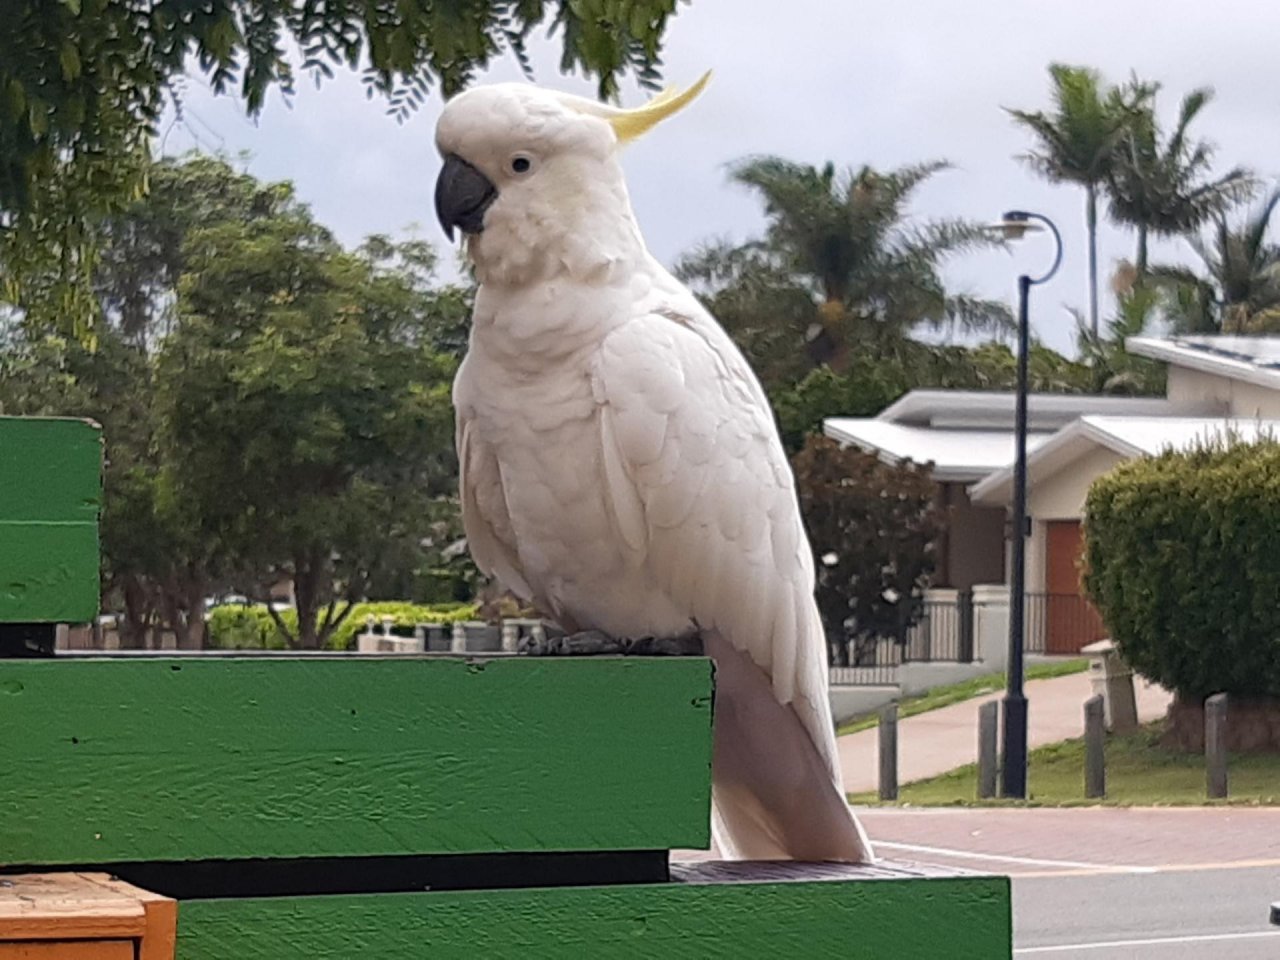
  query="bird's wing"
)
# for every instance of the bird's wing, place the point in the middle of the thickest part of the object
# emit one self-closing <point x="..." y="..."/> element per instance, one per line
<point x="484" y="512"/>
<point x="702" y="493"/>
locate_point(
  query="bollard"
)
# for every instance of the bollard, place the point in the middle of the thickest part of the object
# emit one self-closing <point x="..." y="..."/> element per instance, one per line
<point x="1215" y="746"/>
<point x="1095" y="768"/>
<point x="458" y="639"/>
<point x="889" y="752"/>
<point x="510" y="637"/>
<point x="988" y="748"/>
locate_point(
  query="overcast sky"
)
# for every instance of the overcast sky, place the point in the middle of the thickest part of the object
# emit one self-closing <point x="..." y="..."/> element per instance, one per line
<point x="853" y="82"/>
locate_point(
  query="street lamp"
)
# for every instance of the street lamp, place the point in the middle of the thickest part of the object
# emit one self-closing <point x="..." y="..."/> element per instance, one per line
<point x="1014" y="226"/>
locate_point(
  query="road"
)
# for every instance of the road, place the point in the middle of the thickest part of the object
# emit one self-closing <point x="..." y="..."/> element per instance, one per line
<point x="1108" y="883"/>
<point x="1172" y="915"/>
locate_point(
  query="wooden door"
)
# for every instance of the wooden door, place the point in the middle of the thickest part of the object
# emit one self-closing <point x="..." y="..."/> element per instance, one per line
<point x="1071" y="622"/>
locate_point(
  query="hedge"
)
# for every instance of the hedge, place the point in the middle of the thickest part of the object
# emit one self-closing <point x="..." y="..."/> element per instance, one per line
<point x="1182" y="558"/>
<point x="250" y="627"/>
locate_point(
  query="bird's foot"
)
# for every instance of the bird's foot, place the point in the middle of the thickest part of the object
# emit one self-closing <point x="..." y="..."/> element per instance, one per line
<point x="588" y="643"/>
<point x="594" y="643"/>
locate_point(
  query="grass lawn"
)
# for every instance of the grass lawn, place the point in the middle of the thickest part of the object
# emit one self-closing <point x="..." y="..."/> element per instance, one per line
<point x="1139" y="773"/>
<point x="958" y="692"/>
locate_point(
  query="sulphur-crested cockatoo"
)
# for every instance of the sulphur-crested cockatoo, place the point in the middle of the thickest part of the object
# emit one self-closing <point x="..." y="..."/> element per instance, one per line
<point x="620" y="466"/>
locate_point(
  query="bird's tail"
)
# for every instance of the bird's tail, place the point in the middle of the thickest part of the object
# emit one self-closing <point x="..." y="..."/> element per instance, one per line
<point x="775" y="780"/>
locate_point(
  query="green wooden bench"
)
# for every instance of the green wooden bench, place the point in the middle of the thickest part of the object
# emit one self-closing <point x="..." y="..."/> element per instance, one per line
<point x="325" y="807"/>
<point x="50" y="484"/>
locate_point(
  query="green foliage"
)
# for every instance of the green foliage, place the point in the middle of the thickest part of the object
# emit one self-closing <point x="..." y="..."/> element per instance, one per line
<point x="1181" y="560"/>
<point x="1162" y="183"/>
<point x="1239" y="289"/>
<point x="306" y="395"/>
<point x="274" y="407"/>
<point x="841" y="262"/>
<point x="1079" y="140"/>
<point x="873" y="528"/>
<point x="1111" y="368"/>
<point x="251" y="627"/>
<point x="244" y="627"/>
<point x="824" y="393"/>
<point x="879" y="375"/>
<point x="83" y="84"/>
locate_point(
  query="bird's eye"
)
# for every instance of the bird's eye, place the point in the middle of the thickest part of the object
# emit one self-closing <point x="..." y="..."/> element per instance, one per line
<point x="521" y="164"/>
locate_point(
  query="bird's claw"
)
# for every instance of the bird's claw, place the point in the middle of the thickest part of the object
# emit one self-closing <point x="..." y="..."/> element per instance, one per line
<point x="594" y="643"/>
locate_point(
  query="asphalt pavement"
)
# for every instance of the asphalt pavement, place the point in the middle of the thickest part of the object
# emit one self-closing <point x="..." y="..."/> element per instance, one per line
<point x="1173" y="915"/>
<point x="1111" y="883"/>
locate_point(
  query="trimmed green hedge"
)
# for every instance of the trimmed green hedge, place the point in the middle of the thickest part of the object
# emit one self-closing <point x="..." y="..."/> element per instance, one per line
<point x="1183" y="561"/>
<point x="239" y="627"/>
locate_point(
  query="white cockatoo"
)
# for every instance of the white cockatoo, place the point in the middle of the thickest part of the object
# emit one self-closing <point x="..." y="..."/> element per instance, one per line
<point x="620" y="466"/>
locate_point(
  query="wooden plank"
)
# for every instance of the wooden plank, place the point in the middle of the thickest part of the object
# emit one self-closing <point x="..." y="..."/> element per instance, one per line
<point x="964" y="918"/>
<point x="48" y="572"/>
<point x="189" y="759"/>
<point x="50" y="494"/>
<point x="160" y="919"/>
<point x="69" y="950"/>
<point x="64" y="906"/>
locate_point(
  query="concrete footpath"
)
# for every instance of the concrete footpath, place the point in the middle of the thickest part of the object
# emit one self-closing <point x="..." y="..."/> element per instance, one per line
<point x="941" y="740"/>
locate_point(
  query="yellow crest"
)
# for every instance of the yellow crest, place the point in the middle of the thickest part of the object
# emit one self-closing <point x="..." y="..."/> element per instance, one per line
<point x="630" y="124"/>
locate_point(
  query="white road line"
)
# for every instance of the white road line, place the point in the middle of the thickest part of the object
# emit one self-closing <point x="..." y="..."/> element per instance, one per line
<point x="1001" y="858"/>
<point x="1153" y="942"/>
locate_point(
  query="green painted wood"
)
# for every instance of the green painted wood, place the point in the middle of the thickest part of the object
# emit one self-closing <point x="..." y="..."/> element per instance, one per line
<point x="110" y="760"/>
<point x="50" y="494"/>
<point x="936" y="919"/>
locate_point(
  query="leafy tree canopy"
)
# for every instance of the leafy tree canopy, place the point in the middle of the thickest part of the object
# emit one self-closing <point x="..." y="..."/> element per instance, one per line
<point x="83" y="82"/>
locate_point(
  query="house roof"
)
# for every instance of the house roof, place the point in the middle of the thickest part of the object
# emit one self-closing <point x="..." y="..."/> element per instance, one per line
<point x="993" y="409"/>
<point x="1251" y="359"/>
<point x="957" y="455"/>
<point x="1126" y="436"/>
<point x="966" y="434"/>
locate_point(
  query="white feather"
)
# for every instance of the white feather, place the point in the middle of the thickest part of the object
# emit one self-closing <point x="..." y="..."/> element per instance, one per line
<point x="621" y="467"/>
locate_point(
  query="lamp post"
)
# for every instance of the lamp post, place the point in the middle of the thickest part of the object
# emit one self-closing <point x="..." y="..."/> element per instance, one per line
<point x="1014" y="225"/>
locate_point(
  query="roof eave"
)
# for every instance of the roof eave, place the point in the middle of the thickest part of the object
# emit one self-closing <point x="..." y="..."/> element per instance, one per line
<point x="1178" y="355"/>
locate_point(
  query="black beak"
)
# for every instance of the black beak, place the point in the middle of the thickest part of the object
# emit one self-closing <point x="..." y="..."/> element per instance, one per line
<point x="463" y="194"/>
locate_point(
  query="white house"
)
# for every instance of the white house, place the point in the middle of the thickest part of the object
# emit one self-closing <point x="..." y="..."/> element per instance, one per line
<point x="1218" y="387"/>
<point x="968" y="436"/>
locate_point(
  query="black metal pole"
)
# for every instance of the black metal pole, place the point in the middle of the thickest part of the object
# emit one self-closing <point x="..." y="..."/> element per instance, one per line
<point x="1014" y="761"/>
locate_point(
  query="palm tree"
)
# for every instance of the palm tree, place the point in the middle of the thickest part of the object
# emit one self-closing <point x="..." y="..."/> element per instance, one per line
<point x="1240" y="291"/>
<point x="1078" y="140"/>
<point x="1112" y="368"/>
<point x="844" y="239"/>
<point x="1163" y="186"/>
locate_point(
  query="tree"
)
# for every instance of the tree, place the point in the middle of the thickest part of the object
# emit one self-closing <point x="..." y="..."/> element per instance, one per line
<point x="1078" y="142"/>
<point x="873" y="528"/>
<point x="305" y="407"/>
<point x="1239" y="291"/>
<point x="1112" y="368"/>
<point x="154" y="567"/>
<point x="83" y="83"/>
<point x="170" y="531"/>
<point x="876" y="378"/>
<point x="1164" y="185"/>
<point x="844" y="243"/>
<point x="1180" y="559"/>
